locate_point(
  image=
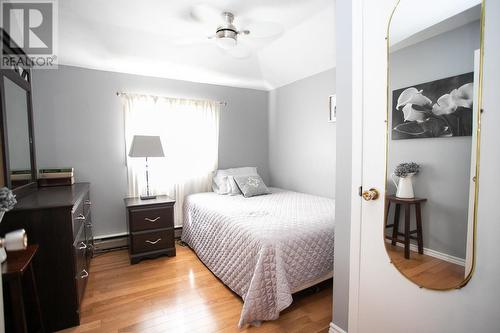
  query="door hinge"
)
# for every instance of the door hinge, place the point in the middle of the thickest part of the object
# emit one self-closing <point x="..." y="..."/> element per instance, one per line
<point x="360" y="191"/>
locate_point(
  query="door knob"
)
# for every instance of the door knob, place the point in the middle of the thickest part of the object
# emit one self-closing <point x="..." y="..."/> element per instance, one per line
<point x="371" y="194"/>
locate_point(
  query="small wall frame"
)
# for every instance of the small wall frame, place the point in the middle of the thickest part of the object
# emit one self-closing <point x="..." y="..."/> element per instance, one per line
<point x="332" y="108"/>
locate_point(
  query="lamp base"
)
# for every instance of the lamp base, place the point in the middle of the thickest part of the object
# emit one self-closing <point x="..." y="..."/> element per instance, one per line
<point x="148" y="197"/>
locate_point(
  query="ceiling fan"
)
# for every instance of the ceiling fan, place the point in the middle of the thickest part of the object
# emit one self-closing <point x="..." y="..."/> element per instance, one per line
<point x="238" y="39"/>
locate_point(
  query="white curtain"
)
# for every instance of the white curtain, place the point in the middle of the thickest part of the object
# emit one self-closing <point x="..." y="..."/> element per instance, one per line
<point x="189" y="131"/>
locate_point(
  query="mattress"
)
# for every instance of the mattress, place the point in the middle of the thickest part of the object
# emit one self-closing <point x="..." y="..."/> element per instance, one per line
<point x="264" y="248"/>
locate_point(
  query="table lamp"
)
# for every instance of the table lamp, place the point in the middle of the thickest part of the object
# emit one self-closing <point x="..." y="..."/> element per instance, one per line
<point x="146" y="146"/>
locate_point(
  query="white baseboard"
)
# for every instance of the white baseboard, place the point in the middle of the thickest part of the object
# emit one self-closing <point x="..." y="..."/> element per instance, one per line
<point x="335" y="329"/>
<point x="435" y="254"/>
<point x="110" y="243"/>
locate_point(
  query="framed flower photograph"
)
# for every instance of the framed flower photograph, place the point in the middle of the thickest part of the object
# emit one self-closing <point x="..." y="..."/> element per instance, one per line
<point x="435" y="109"/>
<point x="332" y="108"/>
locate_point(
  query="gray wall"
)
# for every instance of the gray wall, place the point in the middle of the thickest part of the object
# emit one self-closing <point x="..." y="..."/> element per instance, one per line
<point x="301" y="140"/>
<point x="343" y="186"/>
<point x="79" y="123"/>
<point x="445" y="174"/>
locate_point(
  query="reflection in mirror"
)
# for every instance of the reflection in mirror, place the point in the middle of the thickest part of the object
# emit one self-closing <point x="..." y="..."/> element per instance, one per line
<point x="432" y="125"/>
<point x="16" y="114"/>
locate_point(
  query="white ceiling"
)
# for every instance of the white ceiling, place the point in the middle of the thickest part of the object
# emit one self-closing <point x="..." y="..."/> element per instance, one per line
<point x="412" y="17"/>
<point x="139" y="37"/>
<point x="470" y="15"/>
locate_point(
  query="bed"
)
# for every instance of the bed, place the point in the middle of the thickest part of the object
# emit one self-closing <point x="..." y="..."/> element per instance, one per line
<point x="264" y="248"/>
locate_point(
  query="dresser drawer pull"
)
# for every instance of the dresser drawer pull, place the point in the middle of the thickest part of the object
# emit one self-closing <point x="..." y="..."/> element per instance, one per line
<point x="84" y="274"/>
<point x="153" y="242"/>
<point x="87" y="202"/>
<point x="152" y="220"/>
<point x="82" y="246"/>
<point x="80" y="217"/>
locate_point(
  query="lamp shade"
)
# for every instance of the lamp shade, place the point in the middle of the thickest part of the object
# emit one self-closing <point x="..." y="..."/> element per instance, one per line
<point x="146" y="146"/>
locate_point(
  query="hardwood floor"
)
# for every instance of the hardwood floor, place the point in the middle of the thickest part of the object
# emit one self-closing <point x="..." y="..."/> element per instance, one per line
<point x="180" y="294"/>
<point x="427" y="271"/>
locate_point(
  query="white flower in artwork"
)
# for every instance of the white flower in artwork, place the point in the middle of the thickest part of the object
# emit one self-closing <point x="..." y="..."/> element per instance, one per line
<point x="411" y="114"/>
<point x="254" y="182"/>
<point x="464" y="95"/>
<point x="413" y="96"/>
<point x="444" y="105"/>
<point x="448" y="103"/>
<point x="414" y="105"/>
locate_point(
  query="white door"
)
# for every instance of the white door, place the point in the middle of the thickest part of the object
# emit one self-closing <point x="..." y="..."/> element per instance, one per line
<point x="376" y="275"/>
<point x="381" y="299"/>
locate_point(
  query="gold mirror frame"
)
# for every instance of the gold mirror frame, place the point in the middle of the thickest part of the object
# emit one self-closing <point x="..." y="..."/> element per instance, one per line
<point x="478" y="144"/>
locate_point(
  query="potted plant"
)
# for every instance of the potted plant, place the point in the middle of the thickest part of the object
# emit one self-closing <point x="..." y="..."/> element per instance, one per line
<point x="405" y="172"/>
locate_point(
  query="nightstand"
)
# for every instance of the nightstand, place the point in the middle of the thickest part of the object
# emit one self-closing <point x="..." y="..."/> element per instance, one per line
<point x="151" y="227"/>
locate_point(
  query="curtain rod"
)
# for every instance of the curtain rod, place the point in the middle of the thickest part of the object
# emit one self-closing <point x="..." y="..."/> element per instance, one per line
<point x="118" y="93"/>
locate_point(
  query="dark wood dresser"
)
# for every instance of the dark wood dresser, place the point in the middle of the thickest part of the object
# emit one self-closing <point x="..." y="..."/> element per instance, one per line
<point x="151" y="227"/>
<point x="58" y="219"/>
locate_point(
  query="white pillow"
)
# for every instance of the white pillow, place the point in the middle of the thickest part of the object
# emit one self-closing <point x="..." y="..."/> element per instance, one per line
<point x="233" y="187"/>
<point x="222" y="184"/>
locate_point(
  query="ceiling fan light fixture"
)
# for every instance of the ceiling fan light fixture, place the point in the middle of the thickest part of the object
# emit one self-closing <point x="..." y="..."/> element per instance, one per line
<point x="226" y="42"/>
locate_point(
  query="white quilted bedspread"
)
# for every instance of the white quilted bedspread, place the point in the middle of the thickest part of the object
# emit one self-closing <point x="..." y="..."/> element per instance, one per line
<point x="262" y="247"/>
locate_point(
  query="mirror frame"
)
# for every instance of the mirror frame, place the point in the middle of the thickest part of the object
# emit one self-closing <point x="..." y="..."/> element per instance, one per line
<point x="21" y="76"/>
<point x="478" y="145"/>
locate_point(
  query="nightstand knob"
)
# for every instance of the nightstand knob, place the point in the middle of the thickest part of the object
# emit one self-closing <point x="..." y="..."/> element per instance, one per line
<point x="152" y="220"/>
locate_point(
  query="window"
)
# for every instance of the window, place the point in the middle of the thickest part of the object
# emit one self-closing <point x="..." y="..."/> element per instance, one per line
<point x="189" y="130"/>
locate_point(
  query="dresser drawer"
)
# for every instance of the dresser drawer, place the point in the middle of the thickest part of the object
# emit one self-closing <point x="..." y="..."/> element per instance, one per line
<point x="78" y="220"/>
<point x="81" y="213"/>
<point x="86" y="204"/>
<point x="81" y="269"/>
<point x="152" y="241"/>
<point x="151" y="218"/>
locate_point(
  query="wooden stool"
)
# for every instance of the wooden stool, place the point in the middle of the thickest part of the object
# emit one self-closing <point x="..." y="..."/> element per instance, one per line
<point x="13" y="271"/>
<point x="407" y="234"/>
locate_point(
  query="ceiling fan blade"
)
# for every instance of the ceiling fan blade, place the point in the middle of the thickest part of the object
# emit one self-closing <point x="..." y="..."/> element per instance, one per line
<point x="240" y="51"/>
<point x="184" y="41"/>
<point x="206" y="14"/>
<point x="264" y="29"/>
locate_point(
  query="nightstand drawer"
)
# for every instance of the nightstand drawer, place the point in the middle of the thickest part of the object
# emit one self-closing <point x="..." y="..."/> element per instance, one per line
<point x="151" y="218"/>
<point x="152" y="241"/>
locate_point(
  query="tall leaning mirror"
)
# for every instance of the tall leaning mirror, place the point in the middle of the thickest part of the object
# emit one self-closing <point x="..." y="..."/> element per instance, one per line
<point x="433" y="119"/>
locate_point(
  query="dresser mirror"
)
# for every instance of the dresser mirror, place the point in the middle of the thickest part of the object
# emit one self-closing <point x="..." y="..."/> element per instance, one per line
<point x="18" y="162"/>
<point x="433" y="119"/>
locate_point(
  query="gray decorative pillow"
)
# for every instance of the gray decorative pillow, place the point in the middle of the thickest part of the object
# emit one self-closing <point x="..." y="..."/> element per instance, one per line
<point x="221" y="184"/>
<point x="251" y="185"/>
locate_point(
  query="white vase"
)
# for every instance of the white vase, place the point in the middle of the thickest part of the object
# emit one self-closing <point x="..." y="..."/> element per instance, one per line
<point x="404" y="186"/>
<point x="3" y="254"/>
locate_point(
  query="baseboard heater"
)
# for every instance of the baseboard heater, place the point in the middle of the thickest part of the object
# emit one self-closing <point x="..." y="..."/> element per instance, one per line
<point x="114" y="243"/>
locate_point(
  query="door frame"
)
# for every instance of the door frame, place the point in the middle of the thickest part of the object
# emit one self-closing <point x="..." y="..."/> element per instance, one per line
<point x="357" y="163"/>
